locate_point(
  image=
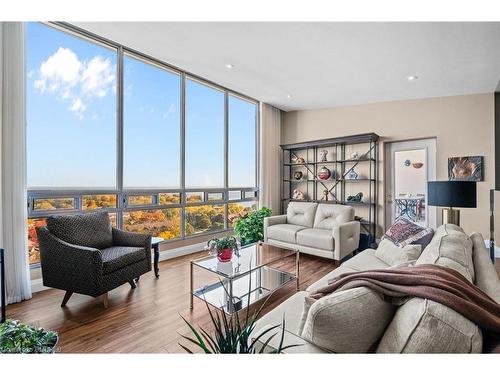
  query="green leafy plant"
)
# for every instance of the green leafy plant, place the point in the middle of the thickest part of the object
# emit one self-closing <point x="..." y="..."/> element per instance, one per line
<point x="250" y="228"/>
<point x="233" y="335"/>
<point x="16" y="337"/>
<point x="223" y="243"/>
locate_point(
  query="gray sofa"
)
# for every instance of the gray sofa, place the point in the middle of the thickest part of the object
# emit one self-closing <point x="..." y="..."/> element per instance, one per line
<point x="326" y="230"/>
<point x="359" y="320"/>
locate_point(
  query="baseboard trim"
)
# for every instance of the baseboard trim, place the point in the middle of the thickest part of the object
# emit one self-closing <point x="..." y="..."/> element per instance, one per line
<point x="37" y="284"/>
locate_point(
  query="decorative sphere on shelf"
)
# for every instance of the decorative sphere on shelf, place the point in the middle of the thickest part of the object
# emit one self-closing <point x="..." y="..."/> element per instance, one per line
<point x="324" y="173"/>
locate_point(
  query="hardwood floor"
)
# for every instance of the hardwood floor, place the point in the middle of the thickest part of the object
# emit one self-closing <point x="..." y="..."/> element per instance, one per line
<point x="146" y="319"/>
<point x="142" y="320"/>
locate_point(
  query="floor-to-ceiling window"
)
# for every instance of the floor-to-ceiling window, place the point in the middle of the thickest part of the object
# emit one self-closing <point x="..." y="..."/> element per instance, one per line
<point x="107" y="127"/>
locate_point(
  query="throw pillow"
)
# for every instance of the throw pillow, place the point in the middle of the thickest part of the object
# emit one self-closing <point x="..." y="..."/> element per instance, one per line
<point x="405" y="232"/>
<point x="394" y="255"/>
<point x="348" y="321"/>
<point x="424" y="326"/>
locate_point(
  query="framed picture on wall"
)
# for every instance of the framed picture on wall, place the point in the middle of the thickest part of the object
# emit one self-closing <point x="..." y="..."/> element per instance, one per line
<point x="465" y="168"/>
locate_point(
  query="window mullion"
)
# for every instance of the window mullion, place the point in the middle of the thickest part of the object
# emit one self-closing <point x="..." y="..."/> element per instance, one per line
<point x="183" y="155"/>
<point x="119" y="140"/>
<point x="226" y="154"/>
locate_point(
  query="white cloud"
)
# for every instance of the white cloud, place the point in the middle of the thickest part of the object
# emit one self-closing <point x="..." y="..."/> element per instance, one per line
<point x="59" y="71"/>
<point x="76" y="81"/>
<point x="78" y="107"/>
<point x="97" y="77"/>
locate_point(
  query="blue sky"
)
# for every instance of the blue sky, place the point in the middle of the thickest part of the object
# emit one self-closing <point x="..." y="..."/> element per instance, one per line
<point x="71" y="116"/>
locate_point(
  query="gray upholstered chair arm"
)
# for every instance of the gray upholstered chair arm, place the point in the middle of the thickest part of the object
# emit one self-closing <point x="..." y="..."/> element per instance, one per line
<point x="54" y="245"/>
<point x="124" y="238"/>
<point x="68" y="266"/>
<point x="346" y="238"/>
<point x="273" y="220"/>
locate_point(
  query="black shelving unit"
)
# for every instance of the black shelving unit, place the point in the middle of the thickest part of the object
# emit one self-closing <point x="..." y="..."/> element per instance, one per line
<point x="339" y="163"/>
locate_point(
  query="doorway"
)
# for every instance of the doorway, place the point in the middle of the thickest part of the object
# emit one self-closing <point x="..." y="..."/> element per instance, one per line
<point x="409" y="165"/>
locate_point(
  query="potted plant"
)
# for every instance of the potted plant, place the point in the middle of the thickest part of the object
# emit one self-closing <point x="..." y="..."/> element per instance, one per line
<point x="232" y="335"/>
<point x="19" y="338"/>
<point x="223" y="247"/>
<point x="250" y="228"/>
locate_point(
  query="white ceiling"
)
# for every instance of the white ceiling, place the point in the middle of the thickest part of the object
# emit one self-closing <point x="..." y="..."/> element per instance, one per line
<point x="324" y="64"/>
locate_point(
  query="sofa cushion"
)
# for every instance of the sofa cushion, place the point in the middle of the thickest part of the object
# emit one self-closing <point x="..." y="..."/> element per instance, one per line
<point x="342" y="323"/>
<point x="424" y="326"/>
<point x="325" y="279"/>
<point x="394" y="255"/>
<point x="116" y="257"/>
<point x="331" y="215"/>
<point x="366" y="260"/>
<point x="450" y="247"/>
<point x="301" y="213"/>
<point x="317" y="238"/>
<point x="284" y="232"/>
<point x="293" y="343"/>
<point x="89" y="229"/>
<point x="485" y="273"/>
<point x="405" y="232"/>
<point x="291" y="309"/>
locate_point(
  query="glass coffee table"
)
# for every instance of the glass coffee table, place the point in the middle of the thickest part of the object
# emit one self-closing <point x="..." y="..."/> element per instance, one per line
<point x="246" y="279"/>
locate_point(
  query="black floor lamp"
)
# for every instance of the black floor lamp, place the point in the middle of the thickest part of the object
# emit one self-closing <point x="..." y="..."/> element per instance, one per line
<point x="2" y="284"/>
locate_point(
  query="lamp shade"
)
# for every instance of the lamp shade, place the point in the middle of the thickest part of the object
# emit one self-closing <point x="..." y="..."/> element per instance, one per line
<point x="452" y="194"/>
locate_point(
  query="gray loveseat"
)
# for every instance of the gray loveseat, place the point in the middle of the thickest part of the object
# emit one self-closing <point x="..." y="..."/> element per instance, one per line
<point x="324" y="229"/>
<point x="359" y="320"/>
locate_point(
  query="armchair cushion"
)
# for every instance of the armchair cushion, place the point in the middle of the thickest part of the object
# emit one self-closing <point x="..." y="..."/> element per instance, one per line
<point x="331" y="215"/>
<point x="284" y="232"/>
<point x="116" y="257"/>
<point x="89" y="229"/>
<point x="317" y="238"/>
<point x="125" y="238"/>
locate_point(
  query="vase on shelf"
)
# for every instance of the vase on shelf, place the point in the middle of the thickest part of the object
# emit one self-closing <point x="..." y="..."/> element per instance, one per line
<point x="324" y="173"/>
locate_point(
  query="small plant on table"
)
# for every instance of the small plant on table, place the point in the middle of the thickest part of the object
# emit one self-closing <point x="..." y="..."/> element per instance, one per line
<point x="223" y="247"/>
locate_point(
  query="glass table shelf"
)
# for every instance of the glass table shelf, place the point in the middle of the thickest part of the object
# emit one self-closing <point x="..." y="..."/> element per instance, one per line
<point x="245" y="279"/>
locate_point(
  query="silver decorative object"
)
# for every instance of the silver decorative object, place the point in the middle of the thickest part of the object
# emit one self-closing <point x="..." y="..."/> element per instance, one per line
<point x="322" y="155"/>
<point x="352" y="175"/>
<point x="299" y="195"/>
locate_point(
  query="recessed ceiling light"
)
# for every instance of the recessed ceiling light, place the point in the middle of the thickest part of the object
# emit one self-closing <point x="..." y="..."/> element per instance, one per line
<point x="229" y="66"/>
<point x="289" y="96"/>
<point x="412" y="78"/>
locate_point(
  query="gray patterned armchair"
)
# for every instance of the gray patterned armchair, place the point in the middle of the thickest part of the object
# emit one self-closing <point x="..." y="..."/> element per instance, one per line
<point x="83" y="254"/>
